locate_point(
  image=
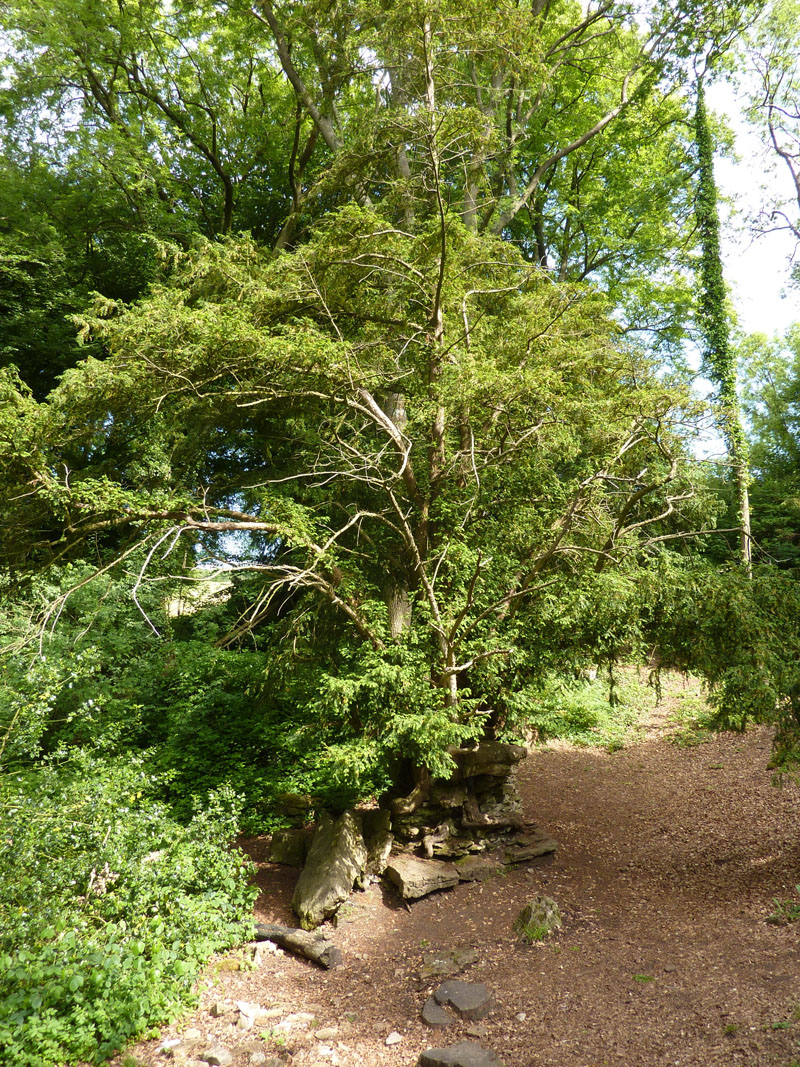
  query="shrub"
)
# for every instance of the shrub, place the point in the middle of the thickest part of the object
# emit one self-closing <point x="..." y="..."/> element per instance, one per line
<point x="107" y="907"/>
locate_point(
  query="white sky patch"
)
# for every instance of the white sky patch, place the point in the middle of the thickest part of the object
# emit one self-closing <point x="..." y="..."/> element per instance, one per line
<point x="756" y="268"/>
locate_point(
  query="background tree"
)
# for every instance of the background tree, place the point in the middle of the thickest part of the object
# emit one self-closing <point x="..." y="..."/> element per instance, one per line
<point x="771" y="400"/>
<point x="772" y="84"/>
<point x="714" y="320"/>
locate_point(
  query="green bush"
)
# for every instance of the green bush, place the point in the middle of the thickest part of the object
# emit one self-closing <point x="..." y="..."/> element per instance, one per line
<point x="108" y="906"/>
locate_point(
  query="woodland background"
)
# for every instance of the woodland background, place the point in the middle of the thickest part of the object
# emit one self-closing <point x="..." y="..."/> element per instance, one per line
<point x="349" y="413"/>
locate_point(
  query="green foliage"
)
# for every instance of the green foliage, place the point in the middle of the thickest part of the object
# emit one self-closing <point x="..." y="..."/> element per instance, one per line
<point x="107" y="905"/>
<point x="581" y="711"/>
<point x="714" y="322"/>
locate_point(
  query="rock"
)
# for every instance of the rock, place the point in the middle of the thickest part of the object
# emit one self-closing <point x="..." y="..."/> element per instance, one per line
<point x="433" y="1014"/>
<point x="416" y="878"/>
<point x="336" y="861"/>
<point x="289" y="847"/>
<point x="217" y="1009"/>
<point x="528" y="845"/>
<point x="219" y="1056"/>
<point x="193" y="1034"/>
<point x="476" y="1030"/>
<point x="326" y="1033"/>
<point x="446" y="962"/>
<point x="378" y="838"/>
<point x="472" y="1000"/>
<point x="394" y="1038"/>
<point x="538" y="918"/>
<point x="477" y="868"/>
<point x="491" y="758"/>
<point x="257" y="1059"/>
<point x="464" y="1054"/>
<point x="448" y="794"/>
<point x="298" y="1020"/>
<point x="295" y="804"/>
<point x="252" y="1011"/>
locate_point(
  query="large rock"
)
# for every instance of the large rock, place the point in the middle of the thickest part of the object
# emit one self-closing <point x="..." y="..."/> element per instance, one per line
<point x="378" y="837"/>
<point x="464" y="1054"/>
<point x="472" y="1000"/>
<point x="415" y="878"/>
<point x="492" y="758"/>
<point x="336" y="861"/>
<point x="477" y="868"/>
<point x="527" y="846"/>
<point x="289" y="847"/>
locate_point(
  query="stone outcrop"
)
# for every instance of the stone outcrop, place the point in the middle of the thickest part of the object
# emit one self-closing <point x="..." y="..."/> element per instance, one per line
<point x="466" y="813"/>
<point x="336" y="861"/>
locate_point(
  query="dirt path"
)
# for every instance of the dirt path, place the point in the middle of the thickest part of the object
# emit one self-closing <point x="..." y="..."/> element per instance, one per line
<point x="669" y="862"/>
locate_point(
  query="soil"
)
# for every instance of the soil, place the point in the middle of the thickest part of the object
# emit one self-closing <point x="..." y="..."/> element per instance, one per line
<point x="670" y="862"/>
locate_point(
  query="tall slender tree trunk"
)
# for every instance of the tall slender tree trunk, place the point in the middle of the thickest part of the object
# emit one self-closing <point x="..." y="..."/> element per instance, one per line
<point x="720" y="361"/>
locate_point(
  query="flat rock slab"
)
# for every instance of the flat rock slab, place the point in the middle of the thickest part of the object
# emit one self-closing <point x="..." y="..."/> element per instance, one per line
<point x="415" y="878"/>
<point x="464" y="1054"/>
<point x="528" y="846"/>
<point x="478" y="868"/>
<point x="472" y="1000"/>
<point x="446" y="962"/>
<point x="433" y="1014"/>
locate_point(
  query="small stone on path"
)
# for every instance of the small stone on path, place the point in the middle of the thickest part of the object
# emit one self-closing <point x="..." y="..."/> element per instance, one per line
<point x="394" y="1038"/>
<point x="219" y="1056"/>
<point x="472" y="1000"/>
<point x="476" y="1030"/>
<point x="446" y="962"/>
<point x="434" y="1014"/>
<point x="464" y="1054"/>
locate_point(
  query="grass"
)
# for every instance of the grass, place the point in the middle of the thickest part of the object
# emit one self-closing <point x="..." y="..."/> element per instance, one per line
<point x="786" y="911"/>
<point x="579" y="710"/>
<point x="643" y="978"/>
<point x="532" y="932"/>
<point x="690" y="716"/>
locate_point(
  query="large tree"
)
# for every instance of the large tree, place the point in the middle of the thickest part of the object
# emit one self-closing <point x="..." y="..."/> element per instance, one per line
<point x="419" y="443"/>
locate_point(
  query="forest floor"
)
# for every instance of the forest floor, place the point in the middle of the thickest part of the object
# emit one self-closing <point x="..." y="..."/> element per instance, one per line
<point x="671" y="858"/>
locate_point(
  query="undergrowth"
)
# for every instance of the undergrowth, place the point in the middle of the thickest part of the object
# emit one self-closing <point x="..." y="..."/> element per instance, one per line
<point x="594" y="713"/>
<point x="588" y="712"/>
<point x="108" y="907"/>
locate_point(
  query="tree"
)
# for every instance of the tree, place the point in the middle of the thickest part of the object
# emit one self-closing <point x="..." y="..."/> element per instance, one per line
<point x="771" y="401"/>
<point x="773" y="86"/>
<point x="720" y="358"/>
<point x="419" y="441"/>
